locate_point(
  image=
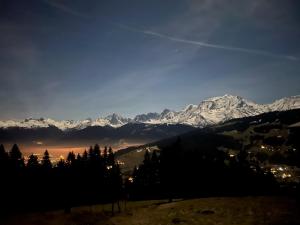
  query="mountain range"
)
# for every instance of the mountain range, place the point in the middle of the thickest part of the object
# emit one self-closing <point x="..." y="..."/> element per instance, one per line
<point x="273" y="135"/>
<point x="209" y="112"/>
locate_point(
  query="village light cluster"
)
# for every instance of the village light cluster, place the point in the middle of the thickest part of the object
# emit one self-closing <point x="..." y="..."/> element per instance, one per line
<point x="282" y="172"/>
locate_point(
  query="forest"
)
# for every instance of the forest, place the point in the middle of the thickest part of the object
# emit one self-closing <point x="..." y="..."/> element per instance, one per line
<point x="87" y="178"/>
<point x="95" y="177"/>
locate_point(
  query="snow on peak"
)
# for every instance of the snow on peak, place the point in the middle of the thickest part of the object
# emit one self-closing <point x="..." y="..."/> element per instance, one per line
<point x="190" y="107"/>
<point x="113" y="120"/>
<point x="287" y="103"/>
<point x="117" y="120"/>
<point x="146" y="117"/>
<point x="219" y="109"/>
<point x="210" y="111"/>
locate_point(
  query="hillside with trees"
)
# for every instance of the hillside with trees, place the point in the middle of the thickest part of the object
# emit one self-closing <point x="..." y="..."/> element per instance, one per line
<point x="83" y="179"/>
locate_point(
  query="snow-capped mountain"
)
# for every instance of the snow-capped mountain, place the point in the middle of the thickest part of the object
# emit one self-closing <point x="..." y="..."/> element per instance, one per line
<point x="285" y="104"/>
<point x="42" y="123"/>
<point x="146" y="117"/>
<point x="116" y="120"/>
<point x="211" y="111"/>
<point x="113" y="120"/>
<point x="219" y="109"/>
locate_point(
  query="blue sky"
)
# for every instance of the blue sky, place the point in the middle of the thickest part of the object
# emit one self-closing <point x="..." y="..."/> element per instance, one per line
<point x="76" y="59"/>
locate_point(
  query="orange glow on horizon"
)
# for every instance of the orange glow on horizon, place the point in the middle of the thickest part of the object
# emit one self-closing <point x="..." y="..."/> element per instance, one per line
<point x="56" y="151"/>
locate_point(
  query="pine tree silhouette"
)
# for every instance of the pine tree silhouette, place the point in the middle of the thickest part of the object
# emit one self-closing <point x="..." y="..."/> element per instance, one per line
<point x="110" y="157"/>
<point x="33" y="162"/>
<point x="4" y="160"/>
<point x="46" y="163"/>
<point x="71" y="158"/>
<point x="105" y="155"/>
<point x="15" y="157"/>
<point x="97" y="152"/>
<point x="15" y="153"/>
<point x="61" y="164"/>
<point x="3" y="153"/>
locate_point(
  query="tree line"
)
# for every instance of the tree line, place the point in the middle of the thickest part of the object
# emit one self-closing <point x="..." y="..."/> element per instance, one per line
<point x="91" y="177"/>
<point x="175" y="172"/>
<point x="95" y="177"/>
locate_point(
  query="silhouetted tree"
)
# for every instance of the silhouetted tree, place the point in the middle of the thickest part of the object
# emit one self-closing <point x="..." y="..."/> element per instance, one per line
<point x="155" y="171"/>
<point x="171" y="168"/>
<point x="85" y="179"/>
<point x="15" y="152"/>
<point x="85" y="156"/>
<point x="110" y="157"/>
<point x="242" y="158"/>
<point x="3" y="153"/>
<point x="3" y="158"/>
<point x="46" y="163"/>
<point x="79" y="158"/>
<point x="33" y="162"/>
<point x="61" y="164"/>
<point x="105" y="155"/>
<point x="115" y="183"/>
<point x="71" y="158"/>
<point x="16" y="158"/>
<point x="97" y="151"/>
<point x="91" y="154"/>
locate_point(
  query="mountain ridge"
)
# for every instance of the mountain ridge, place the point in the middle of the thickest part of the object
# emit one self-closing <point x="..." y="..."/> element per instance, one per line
<point x="208" y="112"/>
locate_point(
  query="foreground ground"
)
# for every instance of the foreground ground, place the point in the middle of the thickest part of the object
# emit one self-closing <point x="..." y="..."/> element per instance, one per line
<point x="206" y="211"/>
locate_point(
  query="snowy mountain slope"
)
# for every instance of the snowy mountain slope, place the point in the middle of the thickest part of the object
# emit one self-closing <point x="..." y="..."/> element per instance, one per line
<point x="285" y="104"/>
<point x="219" y="109"/>
<point x="41" y="123"/>
<point x="146" y="117"/>
<point x="113" y="120"/>
<point x="211" y="111"/>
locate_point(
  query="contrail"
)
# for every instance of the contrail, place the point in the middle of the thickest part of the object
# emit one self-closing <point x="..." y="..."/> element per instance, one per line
<point x="73" y="12"/>
<point x="208" y="45"/>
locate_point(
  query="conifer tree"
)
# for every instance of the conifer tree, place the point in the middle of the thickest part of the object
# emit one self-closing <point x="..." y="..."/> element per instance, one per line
<point x="61" y="164"/>
<point x="33" y="162"/>
<point x="46" y="163"/>
<point x="79" y="158"/>
<point x="97" y="152"/>
<point x="85" y="156"/>
<point x="71" y="158"/>
<point x="3" y="153"/>
<point x="146" y="160"/>
<point x="110" y="157"/>
<point x="155" y="174"/>
<point x="3" y="159"/>
<point x="15" y="157"/>
<point x="105" y="155"/>
<point x="135" y="173"/>
<point x="91" y="154"/>
<point x="15" y="153"/>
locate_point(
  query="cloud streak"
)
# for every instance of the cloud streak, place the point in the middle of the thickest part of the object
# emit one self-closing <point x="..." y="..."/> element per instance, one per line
<point x="208" y="45"/>
<point x="68" y="10"/>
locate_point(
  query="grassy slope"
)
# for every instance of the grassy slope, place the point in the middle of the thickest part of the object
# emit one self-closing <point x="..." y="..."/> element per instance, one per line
<point x="245" y="210"/>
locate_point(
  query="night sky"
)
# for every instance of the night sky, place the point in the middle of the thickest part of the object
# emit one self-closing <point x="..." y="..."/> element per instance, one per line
<point x="73" y="59"/>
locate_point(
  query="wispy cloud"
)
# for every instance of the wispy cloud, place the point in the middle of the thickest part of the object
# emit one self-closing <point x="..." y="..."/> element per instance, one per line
<point x="208" y="45"/>
<point x="64" y="8"/>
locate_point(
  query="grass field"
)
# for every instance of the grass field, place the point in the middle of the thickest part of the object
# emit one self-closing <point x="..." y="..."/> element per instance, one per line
<point x="206" y="211"/>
